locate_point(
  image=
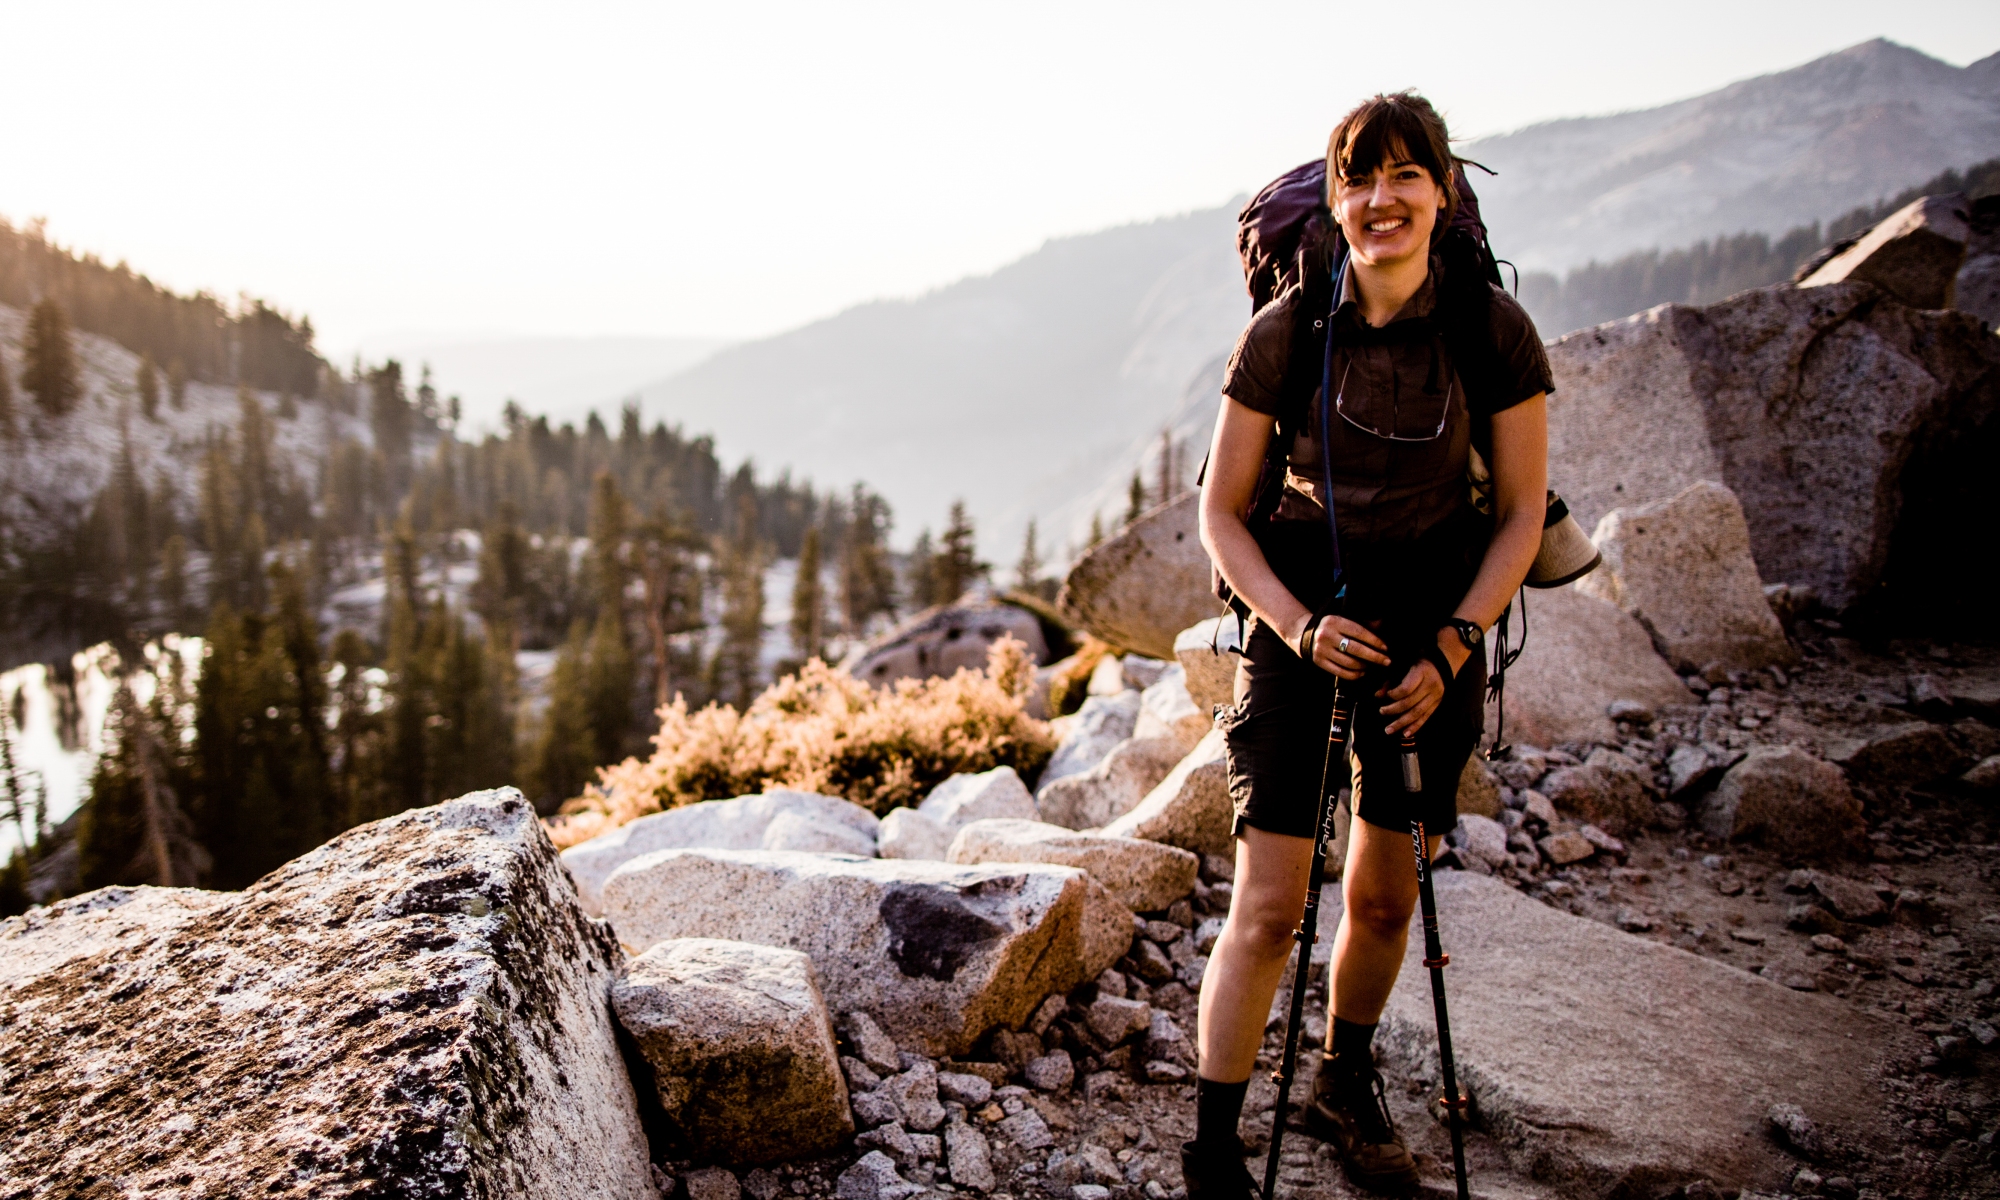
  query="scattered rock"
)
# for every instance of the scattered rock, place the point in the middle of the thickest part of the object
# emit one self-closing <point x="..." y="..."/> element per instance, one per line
<point x="1113" y="1019"/>
<point x="1682" y="566"/>
<point x="907" y="833"/>
<point x="1608" y="790"/>
<point x="875" y="1109"/>
<point x="937" y="954"/>
<point x="1190" y="808"/>
<point x="739" y="824"/>
<point x="875" y="1049"/>
<point x="1146" y="583"/>
<point x="968" y="1157"/>
<point x="1689" y="768"/>
<point x="969" y="1090"/>
<point x="873" y="1177"/>
<point x="1914" y="254"/>
<point x="1906" y="755"/>
<point x="1977" y="288"/>
<point x="965" y="798"/>
<point x="1027" y="1130"/>
<point x="1846" y="898"/>
<point x="712" y="1183"/>
<point x="1167" y="710"/>
<point x="1787" y="798"/>
<point x="1050" y="1073"/>
<point x="1478" y="788"/>
<point x="1566" y="847"/>
<point x="417" y="1007"/>
<point x="1484" y="839"/>
<point x="1113" y="787"/>
<point x="1582" y="654"/>
<point x="1095" y="731"/>
<point x="939" y="641"/>
<point x="1208" y="653"/>
<point x="1142" y="875"/>
<point x="741" y="1048"/>
<point x="1796" y="1130"/>
<point x="916" y="1094"/>
<point x="893" y="1140"/>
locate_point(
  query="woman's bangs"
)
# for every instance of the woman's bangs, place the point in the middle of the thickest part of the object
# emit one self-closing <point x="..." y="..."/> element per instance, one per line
<point x="1384" y="133"/>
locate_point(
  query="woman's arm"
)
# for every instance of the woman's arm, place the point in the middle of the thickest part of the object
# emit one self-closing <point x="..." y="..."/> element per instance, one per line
<point x="1242" y="434"/>
<point x="1520" y="503"/>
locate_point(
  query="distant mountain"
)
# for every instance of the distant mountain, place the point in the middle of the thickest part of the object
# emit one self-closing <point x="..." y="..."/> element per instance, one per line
<point x="1761" y="156"/>
<point x="1019" y="391"/>
<point x="563" y="378"/>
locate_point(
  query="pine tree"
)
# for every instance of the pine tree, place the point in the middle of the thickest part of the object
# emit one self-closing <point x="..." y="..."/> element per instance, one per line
<point x="809" y="602"/>
<point x="867" y="581"/>
<point x="8" y="425"/>
<point x="404" y="769"/>
<point x="610" y="675"/>
<point x="177" y="385"/>
<point x="132" y="828"/>
<point x="958" y="563"/>
<point x="923" y="573"/>
<point x="735" y="670"/>
<point x="665" y="549"/>
<point x="559" y="764"/>
<point x="149" y="388"/>
<point x="1028" y="569"/>
<point x="14" y="897"/>
<point x="1167" y="469"/>
<point x="1135" y="499"/>
<point x="173" y="581"/>
<point x="1096" y="530"/>
<point x="50" y="372"/>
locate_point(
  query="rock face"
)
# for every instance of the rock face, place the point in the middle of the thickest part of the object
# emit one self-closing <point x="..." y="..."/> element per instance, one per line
<point x="1207" y="652"/>
<point x="1828" y="411"/>
<point x="416" y="1008"/>
<point x="1788" y="799"/>
<point x="1143" y="876"/>
<point x="1609" y="1065"/>
<point x="1190" y="808"/>
<point x="1143" y="586"/>
<point x="1478" y="788"/>
<point x="1113" y="787"/>
<point x="823" y="824"/>
<point x="1582" y="655"/>
<point x="1682" y="566"/>
<point x="1609" y="790"/>
<point x="940" y="641"/>
<point x="936" y="954"/>
<point x="1912" y="254"/>
<point x="1095" y="731"/>
<point x="741" y="1048"/>
<point x="1168" y="710"/>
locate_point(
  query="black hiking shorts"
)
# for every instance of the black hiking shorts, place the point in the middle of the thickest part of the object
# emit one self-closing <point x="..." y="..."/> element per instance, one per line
<point x="1276" y="744"/>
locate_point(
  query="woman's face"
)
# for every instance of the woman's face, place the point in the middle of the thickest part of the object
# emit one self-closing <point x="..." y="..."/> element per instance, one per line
<point x="1388" y="214"/>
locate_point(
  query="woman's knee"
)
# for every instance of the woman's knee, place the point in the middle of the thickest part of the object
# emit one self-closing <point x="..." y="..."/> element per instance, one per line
<point x="1264" y="931"/>
<point x="1384" y="912"/>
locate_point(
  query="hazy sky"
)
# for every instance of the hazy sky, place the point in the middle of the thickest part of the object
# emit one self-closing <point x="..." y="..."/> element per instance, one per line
<point x="732" y="170"/>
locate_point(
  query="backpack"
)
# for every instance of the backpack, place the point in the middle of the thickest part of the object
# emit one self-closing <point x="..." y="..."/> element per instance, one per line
<point x="1287" y="238"/>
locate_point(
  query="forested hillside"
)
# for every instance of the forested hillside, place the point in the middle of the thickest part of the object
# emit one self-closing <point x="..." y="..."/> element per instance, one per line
<point x="143" y="505"/>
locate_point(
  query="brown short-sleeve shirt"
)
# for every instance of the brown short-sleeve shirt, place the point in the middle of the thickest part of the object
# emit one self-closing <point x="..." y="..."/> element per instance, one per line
<point x="1403" y="429"/>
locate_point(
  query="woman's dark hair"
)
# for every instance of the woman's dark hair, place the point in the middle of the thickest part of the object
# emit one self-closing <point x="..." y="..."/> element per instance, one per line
<point x="1400" y="125"/>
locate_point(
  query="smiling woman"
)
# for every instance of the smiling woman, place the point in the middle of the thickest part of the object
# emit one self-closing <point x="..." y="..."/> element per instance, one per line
<point x="1422" y="365"/>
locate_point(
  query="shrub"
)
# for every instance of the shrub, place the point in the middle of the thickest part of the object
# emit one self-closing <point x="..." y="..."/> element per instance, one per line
<point x="824" y="731"/>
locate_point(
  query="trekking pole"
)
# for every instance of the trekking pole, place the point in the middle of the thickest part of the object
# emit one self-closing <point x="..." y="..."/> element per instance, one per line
<point x="1435" y="959"/>
<point x="1308" y="930"/>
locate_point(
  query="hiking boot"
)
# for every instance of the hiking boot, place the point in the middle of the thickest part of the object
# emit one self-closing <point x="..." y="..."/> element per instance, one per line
<point x="1350" y="1113"/>
<point x="1216" y="1174"/>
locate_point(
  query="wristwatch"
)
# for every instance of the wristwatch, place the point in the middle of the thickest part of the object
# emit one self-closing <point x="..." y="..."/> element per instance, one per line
<point x="1469" y="632"/>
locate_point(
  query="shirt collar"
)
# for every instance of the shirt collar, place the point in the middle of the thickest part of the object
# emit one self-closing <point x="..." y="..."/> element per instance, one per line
<point x="1418" y="305"/>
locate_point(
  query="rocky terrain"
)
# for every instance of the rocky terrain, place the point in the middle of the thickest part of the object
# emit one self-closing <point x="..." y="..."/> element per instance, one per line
<point x="1721" y="905"/>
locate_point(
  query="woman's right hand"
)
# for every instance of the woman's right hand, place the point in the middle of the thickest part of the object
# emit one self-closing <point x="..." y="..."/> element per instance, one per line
<point x="1362" y="649"/>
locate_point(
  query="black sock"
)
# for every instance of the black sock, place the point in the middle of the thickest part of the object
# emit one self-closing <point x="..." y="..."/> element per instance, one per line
<point x="1353" y="1044"/>
<point x="1217" y="1109"/>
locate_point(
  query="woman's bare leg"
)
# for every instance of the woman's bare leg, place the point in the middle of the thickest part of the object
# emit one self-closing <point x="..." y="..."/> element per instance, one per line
<point x="1245" y="965"/>
<point x="1379" y="890"/>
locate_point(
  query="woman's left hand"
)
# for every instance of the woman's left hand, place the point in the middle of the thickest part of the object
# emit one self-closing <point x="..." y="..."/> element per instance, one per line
<point x="1412" y="701"/>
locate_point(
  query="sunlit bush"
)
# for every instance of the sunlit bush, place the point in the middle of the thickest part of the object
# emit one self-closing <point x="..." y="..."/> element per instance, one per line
<point x="825" y="731"/>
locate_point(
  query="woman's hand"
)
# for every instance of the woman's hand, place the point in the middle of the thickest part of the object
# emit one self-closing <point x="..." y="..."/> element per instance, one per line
<point x="1412" y="701"/>
<point x="1343" y="647"/>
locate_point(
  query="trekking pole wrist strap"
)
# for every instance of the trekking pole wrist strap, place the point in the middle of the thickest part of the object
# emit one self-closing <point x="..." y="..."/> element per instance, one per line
<point x="1434" y="655"/>
<point x="1309" y="635"/>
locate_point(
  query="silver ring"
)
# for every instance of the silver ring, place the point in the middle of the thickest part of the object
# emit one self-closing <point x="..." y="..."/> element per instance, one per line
<point x="1343" y="645"/>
